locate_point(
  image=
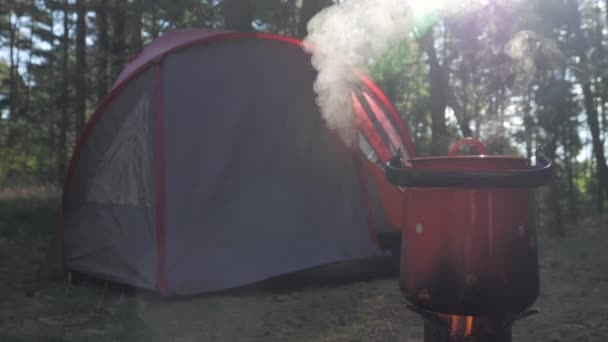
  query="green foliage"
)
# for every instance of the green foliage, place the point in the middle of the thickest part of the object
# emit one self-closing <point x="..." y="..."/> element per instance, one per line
<point x="512" y="103"/>
<point x="401" y="74"/>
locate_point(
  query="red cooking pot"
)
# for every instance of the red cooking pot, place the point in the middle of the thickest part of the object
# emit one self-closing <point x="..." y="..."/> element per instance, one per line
<point x="468" y="240"/>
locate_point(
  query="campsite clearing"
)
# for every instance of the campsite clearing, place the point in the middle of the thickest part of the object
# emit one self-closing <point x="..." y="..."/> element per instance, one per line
<point x="573" y="302"/>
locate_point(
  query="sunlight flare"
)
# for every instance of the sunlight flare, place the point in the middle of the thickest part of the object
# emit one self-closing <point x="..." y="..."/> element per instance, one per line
<point x="421" y="8"/>
<point x="425" y="7"/>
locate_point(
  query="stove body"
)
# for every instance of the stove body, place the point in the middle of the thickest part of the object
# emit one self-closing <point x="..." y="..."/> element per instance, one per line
<point x="469" y="262"/>
<point x="469" y="252"/>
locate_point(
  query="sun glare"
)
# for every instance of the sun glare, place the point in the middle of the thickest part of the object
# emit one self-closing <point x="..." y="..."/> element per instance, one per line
<point x="425" y="7"/>
<point x="429" y="7"/>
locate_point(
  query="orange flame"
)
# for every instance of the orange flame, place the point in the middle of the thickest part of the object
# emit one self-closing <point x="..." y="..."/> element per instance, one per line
<point x="461" y="326"/>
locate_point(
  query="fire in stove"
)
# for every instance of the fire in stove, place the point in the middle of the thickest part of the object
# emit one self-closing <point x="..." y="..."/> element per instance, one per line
<point x="452" y="328"/>
<point x="460" y="326"/>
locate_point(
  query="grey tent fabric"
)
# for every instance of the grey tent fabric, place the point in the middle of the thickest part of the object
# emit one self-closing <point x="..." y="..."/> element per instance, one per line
<point x="252" y="182"/>
<point x="267" y="186"/>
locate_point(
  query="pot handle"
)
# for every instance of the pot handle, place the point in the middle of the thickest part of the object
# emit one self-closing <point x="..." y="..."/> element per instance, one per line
<point x="535" y="177"/>
<point x="481" y="149"/>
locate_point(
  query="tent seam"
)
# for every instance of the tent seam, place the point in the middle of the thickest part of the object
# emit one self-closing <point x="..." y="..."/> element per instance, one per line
<point x="160" y="183"/>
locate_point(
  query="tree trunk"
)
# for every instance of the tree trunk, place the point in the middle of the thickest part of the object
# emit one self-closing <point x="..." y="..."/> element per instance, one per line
<point x="606" y="13"/>
<point x="598" y="145"/>
<point x="154" y="30"/>
<point x="570" y="135"/>
<point x="460" y="112"/>
<point x="528" y="122"/>
<point x="604" y="116"/>
<point x="81" y="66"/>
<point x="119" y="38"/>
<point x="600" y="81"/>
<point x="292" y="13"/>
<point x="137" y="17"/>
<point x="28" y="84"/>
<point x="17" y="76"/>
<point x="12" y="78"/>
<point x="572" y="196"/>
<point x="103" y="47"/>
<point x="556" y="208"/>
<point x="438" y="87"/>
<point x="63" y="124"/>
<point x="238" y="15"/>
<point x="49" y="154"/>
<point x="590" y="109"/>
<point x="309" y="9"/>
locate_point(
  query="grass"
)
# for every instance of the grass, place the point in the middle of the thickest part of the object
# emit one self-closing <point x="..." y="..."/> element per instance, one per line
<point x="573" y="301"/>
<point x="29" y="215"/>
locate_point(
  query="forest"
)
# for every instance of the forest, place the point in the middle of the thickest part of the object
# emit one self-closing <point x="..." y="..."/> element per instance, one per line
<point x="535" y="74"/>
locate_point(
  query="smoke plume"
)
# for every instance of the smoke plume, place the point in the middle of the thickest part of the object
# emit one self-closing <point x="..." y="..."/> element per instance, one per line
<point x="352" y="33"/>
<point x="344" y="36"/>
<point x="533" y="56"/>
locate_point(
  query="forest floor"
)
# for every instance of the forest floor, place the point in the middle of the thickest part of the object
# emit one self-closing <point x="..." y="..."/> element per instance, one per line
<point x="573" y="303"/>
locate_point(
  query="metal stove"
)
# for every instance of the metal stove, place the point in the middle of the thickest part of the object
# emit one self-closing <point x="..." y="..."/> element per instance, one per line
<point x="469" y="263"/>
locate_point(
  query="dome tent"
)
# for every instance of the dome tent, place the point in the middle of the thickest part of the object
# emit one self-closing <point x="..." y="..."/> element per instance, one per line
<point x="209" y="166"/>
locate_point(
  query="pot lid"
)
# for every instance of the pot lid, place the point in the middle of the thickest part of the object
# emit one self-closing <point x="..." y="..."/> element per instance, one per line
<point x="482" y="161"/>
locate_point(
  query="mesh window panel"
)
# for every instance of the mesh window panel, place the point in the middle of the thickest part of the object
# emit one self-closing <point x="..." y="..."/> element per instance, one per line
<point x="123" y="173"/>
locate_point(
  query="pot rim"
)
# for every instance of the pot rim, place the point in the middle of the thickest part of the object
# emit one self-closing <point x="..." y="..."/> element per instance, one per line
<point x="467" y="158"/>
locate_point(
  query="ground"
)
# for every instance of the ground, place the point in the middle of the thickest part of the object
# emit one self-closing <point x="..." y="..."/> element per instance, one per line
<point x="573" y="303"/>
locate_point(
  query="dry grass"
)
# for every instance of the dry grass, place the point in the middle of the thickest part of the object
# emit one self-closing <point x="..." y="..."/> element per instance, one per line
<point x="30" y="192"/>
<point x="573" y="303"/>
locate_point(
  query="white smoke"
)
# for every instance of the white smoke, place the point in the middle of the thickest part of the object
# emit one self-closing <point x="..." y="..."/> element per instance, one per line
<point x="352" y="33"/>
<point x="533" y="55"/>
<point x="346" y="35"/>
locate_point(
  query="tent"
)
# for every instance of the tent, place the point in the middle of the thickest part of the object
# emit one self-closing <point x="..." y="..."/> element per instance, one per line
<point x="209" y="166"/>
